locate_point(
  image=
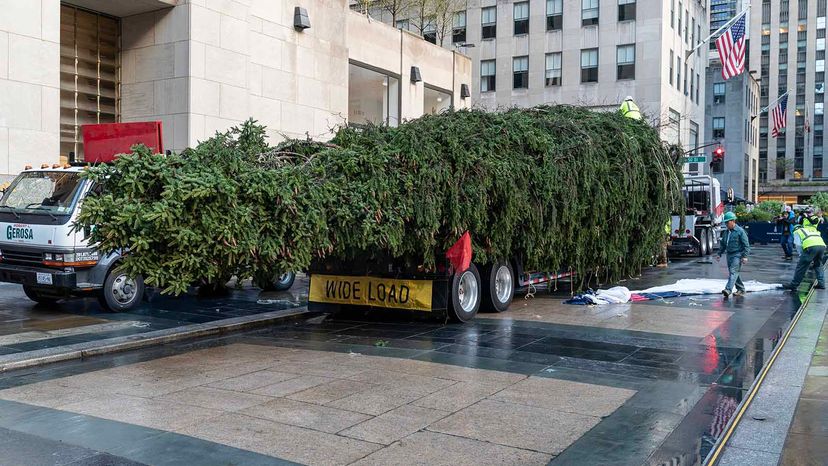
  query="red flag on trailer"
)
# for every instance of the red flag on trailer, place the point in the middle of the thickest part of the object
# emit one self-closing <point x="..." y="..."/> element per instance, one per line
<point x="460" y="254"/>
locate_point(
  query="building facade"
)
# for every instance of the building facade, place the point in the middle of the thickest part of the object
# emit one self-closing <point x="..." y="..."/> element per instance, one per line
<point x="732" y="123"/>
<point x="585" y="52"/>
<point x="787" y="48"/>
<point x="201" y="66"/>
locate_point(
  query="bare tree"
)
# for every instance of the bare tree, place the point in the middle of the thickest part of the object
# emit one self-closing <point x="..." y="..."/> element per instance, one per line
<point x="443" y="17"/>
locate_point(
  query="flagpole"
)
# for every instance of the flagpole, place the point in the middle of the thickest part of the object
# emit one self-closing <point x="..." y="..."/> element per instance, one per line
<point x="726" y="25"/>
<point x="765" y="109"/>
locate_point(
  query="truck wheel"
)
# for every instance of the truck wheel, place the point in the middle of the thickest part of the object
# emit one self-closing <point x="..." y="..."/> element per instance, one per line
<point x="121" y="292"/>
<point x="38" y="296"/>
<point x="710" y="242"/>
<point x="498" y="287"/>
<point x="702" y="243"/>
<point x="281" y="283"/>
<point x="465" y="295"/>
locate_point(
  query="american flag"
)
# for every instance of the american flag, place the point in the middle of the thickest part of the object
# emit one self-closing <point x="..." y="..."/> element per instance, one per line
<point x="731" y="48"/>
<point x="779" y="115"/>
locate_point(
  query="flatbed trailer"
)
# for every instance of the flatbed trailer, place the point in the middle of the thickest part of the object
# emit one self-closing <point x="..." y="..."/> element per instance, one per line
<point x="446" y="291"/>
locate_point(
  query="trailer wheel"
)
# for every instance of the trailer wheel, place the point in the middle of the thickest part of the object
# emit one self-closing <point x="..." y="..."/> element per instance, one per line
<point x="38" y="296"/>
<point x="498" y="287"/>
<point x="465" y="295"/>
<point x="121" y="292"/>
<point x="280" y="283"/>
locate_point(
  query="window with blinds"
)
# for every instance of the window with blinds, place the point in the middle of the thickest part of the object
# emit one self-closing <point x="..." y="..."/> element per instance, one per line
<point x="89" y="75"/>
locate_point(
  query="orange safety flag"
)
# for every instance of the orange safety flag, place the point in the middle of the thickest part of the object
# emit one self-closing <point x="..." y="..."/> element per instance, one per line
<point x="460" y="254"/>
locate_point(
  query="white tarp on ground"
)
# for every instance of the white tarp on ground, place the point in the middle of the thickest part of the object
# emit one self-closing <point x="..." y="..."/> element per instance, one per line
<point x="707" y="286"/>
<point x="615" y="295"/>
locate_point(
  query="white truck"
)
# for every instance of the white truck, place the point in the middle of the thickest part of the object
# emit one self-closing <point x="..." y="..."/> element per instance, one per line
<point x="702" y="217"/>
<point x="40" y="249"/>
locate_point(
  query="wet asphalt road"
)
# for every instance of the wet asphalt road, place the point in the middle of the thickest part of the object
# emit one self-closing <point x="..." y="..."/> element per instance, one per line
<point x="684" y="362"/>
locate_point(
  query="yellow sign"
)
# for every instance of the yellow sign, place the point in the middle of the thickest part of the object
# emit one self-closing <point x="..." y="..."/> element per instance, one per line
<point x="371" y="291"/>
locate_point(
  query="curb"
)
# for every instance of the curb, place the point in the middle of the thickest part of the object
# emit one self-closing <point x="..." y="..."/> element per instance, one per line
<point x="142" y="340"/>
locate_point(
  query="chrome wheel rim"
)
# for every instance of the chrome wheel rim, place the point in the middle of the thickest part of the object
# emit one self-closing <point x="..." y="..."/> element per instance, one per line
<point x="468" y="291"/>
<point x="123" y="289"/>
<point x="285" y="278"/>
<point x="503" y="284"/>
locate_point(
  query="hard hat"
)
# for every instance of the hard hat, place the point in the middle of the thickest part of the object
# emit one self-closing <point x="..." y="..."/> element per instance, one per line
<point x="729" y="216"/>
<point x="628" y="98"/>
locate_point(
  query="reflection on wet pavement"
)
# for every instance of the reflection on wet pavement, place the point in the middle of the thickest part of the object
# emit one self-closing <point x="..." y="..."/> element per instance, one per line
<point x="646" y="383"/>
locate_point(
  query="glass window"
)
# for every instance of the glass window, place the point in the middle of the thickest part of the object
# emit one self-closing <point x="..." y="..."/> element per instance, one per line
<point x="458" y="32"/>
<point x="487" y="75"/>
<point x="678" y="73"/>
<point x="373" y="97"/>
<point x="44" y="193"/>
<point x="679" y="19"/>
<point x="589" y="65"/>
<point x="488" y="21"/>
<point x="554" y="15"/>
<point x="553" y="69"/>
<point x="671" y="67"/>
<point x="520" y="72"/>
<point x="626" y="10"/>
<point x="718" y="127"/>
<point x="819" y="108"/>
<point x="430" y="33"/>
<point x="698" y="86"/>
<point x="672" y="13"/>
<point x="625" y="57"/>
<point x="589" y="12"/>
<point x="521" y="10"/>
<point x="719" y="91"/>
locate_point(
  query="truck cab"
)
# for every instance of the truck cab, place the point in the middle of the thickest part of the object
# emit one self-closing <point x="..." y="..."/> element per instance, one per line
<point x="41" y="249"/>
<point x="696" y="230"/>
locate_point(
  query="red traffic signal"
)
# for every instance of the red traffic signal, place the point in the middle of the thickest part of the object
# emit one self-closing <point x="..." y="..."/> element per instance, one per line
<point x="719" y="152"/>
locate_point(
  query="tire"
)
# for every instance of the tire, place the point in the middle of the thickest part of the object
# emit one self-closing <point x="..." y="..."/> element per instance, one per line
<point x="711" y="242"/>
<point x="38" y="296"/>
<point x="121" y="293"/>
<point x="498" y="287"/>
<point x="702" y="243"/>
<point x="465" y="295"/>
<point x="281" y="283"/>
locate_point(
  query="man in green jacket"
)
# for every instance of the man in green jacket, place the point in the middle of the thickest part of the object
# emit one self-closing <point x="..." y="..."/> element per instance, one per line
<point x="735" y="243"/>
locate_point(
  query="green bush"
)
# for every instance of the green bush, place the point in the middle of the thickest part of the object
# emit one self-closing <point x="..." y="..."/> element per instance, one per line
<point x="557" y="186"/>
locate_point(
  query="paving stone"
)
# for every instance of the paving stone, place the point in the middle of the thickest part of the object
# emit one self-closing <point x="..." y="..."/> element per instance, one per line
<point x="252" y="381"/>
<point x="50" y="393"/>
<point x="332" y="369"/>
<point x="562" y="395"/>
<point x="215" y="398"/>
<point x="376" y="402"/>
<point x="311" y="416"/>
<point x="810" y="417"/>
<point x="735" y="456"/>
<point x="520" y="426"/>
<point x="142" y="411"/>
<point x="280" y="440"/>
<point x="805" y="450"/>
<point x="331" y="391"/>
<point x="414" y="383"/>
<point x="435" y="449"/>
<point x="814" y="388"/>
<point x="291" y="386"/>
<point x="395" y="424"/>
<point x="459" y="395"/>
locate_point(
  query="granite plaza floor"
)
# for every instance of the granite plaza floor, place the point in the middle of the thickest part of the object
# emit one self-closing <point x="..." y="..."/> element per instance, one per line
<point x="646" y="383"/>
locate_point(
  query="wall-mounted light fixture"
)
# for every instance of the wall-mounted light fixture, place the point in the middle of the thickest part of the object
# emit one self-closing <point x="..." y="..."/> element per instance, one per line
<point x="464" y="91"/>
<point x="415" y="75"/>
<point x="300" y="19"/>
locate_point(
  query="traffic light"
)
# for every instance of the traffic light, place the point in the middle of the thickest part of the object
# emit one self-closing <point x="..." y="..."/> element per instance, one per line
<point x="717" y="164"/>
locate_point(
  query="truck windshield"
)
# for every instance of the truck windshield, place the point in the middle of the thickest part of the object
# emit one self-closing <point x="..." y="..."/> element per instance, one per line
<point x="48" y="192"/>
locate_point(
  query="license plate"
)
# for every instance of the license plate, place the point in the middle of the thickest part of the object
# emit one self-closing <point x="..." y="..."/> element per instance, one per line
<point x="371" y="291"/>
<point x="44" y="278"/>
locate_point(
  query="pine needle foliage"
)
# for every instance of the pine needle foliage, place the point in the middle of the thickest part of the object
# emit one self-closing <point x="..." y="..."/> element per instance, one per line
<point x="558" y="187"/>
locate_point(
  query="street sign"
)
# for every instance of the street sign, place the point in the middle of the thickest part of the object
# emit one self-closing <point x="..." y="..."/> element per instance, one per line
<point x="696" y="159"/>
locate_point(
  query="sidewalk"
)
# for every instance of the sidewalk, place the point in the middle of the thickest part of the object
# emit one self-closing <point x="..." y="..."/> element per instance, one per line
<point x="807" y="441"/>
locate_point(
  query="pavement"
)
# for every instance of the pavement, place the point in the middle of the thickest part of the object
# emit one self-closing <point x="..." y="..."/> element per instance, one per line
<point x="645" y="383"/>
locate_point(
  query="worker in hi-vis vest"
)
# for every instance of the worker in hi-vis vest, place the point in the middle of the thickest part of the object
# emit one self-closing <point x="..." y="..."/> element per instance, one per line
<point x="629" y="109"/>
<point x="813" y="249"/>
